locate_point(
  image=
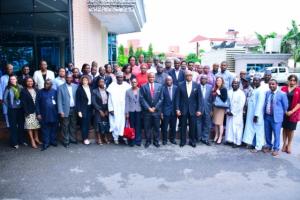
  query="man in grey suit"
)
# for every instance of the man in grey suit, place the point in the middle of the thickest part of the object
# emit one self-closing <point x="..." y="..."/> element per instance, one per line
<point x="66" y="109"/>
<point x="203" y="124"/>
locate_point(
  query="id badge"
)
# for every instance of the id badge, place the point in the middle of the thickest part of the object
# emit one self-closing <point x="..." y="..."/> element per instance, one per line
<point x="18" y="102"/>
<point x="53" y="101"/>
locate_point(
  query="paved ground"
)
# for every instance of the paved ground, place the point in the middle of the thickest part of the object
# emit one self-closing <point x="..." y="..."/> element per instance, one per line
<point x="119" y="172"/>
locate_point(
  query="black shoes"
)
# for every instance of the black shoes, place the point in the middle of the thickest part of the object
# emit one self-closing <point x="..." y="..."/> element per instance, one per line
<point x="147" y="144"/>
<point x="206" y="142"/>
<point x="73" y="142"/>
<point x="156" y="144"/>
<point x="44" y="147"/>
<point x="173" y="142"/>
<point x="53" y="144"/>
<point x="182" y="144"/>
<point x="192" y="144"/>
<point x="164" y="142"/>
<point x="66" y="145"/>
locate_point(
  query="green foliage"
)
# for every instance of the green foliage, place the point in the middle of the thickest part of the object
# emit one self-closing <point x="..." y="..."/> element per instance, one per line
<point x="138" y="52"/>
<point x="291" y="42"/>
<point x="263" y="38"/>
<point x="161" y="56"/>
<point x="150" y="53"/>
<point x="192" y="57"/>
<point x="122" y="58"/>
<point x="130" y="51"/>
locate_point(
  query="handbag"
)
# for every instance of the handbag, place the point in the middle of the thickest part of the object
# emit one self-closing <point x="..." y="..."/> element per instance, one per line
<point x="221" y="104"/>
<point x="129" y="132"/>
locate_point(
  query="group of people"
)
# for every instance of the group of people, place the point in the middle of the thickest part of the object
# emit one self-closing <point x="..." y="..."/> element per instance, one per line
<point x="152" y="97"/>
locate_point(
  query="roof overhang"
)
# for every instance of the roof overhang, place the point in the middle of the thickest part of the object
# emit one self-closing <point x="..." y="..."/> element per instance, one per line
<point x="254" y="56"/>
<point x="119" y="16"/>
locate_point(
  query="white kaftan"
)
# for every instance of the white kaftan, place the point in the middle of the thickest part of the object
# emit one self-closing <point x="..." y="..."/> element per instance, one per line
<point x="235" y="123"/>
<point x="255" y="108"/>
<point x="116" y="103"/>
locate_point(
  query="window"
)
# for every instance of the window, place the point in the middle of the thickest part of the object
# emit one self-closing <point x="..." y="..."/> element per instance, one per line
<point x="112" y="48"/>
<point x="282" y="70"/>
<point x="31" y="30"/>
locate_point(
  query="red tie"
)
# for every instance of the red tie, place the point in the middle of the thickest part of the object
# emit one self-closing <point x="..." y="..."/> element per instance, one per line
<point x="152" y="90"/>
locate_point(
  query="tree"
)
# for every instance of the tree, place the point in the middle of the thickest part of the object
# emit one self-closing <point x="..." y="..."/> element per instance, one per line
<point x="138" y="52"/>
<point x="122" y="58"/>
<point x="192" y="57"/>
<point x="161" y="56"/>
<point x="130" y="51"/>
<point x="291" y="42"/>
<point x="263" y="38"/>
<point x="150" y="51"/>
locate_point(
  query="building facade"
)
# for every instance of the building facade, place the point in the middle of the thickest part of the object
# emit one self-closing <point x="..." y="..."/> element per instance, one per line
<point x="63" y="31"/>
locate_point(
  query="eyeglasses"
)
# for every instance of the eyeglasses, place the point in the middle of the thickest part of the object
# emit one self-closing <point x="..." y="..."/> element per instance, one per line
<point x="293" y="80"/>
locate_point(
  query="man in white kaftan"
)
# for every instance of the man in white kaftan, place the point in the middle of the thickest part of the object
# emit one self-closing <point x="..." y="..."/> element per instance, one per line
<point x="116" y="106"/>
<point x="255" y="117"/>
<point x="234" y="118"/>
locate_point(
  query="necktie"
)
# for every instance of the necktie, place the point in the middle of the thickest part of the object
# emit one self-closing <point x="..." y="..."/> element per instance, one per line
<point x="170" y="92"/>
<point x="151" y="90"/>
<point x="271" y="103"/>
<point x="203" y="91"/>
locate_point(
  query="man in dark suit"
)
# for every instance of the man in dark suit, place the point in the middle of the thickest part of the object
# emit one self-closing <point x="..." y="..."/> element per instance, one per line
<point x="46" y="111"/>
<point x="188" y="107"/>
<point x="177" y="74"/>
<point x="151" y="99"/>
<point x="203" y="124"/>
<point x="66" y="95"/>
<point x="107" y="79"/>
<point x="169" y="111"/>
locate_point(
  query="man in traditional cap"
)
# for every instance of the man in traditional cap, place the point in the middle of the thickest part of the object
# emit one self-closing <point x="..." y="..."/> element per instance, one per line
<point x="116" y="106"/>
<point x="234" y="118"/>
<point x="247" y="89"/>
<point x="265" y="80"/>
<point x="255" y="117"/>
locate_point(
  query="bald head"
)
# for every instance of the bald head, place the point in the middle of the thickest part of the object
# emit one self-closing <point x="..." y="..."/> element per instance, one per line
<point x="169" y="81"/>
<point x="151" y="77"/>
<point x="188" y="75"/>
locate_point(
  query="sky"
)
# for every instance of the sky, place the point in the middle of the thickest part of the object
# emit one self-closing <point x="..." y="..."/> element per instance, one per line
<point x="176" y="22"/>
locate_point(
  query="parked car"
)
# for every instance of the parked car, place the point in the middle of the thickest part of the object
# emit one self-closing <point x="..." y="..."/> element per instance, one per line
<point x="281" y="73"/>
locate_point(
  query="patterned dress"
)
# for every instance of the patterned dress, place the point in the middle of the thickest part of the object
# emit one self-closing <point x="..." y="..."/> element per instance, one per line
<point x="31" y="121"/>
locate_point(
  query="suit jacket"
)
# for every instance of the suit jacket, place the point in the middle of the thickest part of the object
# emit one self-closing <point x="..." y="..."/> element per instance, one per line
<point x="38" y="78"/>
<point x="63" y="98"/>
<point x="132" y="104"/>
<point x="207" y="100"/>
<point x="27" y="101"/>
<point x="81" y="101"/>
<point x="168" y="105"/>
<point x="180" y="79"/>
<point x="147" y="101"/>
<point x="98" y="104"/>
<point x="46" y="105"/>
<point x="107" y="80"/>
<point x="187" y="104"/>
<point x="280" y="105"/>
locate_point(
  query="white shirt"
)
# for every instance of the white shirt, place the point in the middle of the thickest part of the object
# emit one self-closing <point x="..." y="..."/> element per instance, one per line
<point x="39" y="80"/>
<point x="177" y="73"/>
<point x="88" y="94"/>
<point x="72" y="103"/>
<point x="203" y="89"/>
<point x="189" y="88"/>
<point x="58" y="81"/>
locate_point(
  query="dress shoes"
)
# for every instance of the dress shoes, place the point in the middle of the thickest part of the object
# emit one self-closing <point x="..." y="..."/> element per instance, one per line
<point x="156" y="144"/>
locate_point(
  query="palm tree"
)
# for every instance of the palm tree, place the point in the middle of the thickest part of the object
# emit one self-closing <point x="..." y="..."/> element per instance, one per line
<point x="291" y="42"/>
<point x="263" y="39"/>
